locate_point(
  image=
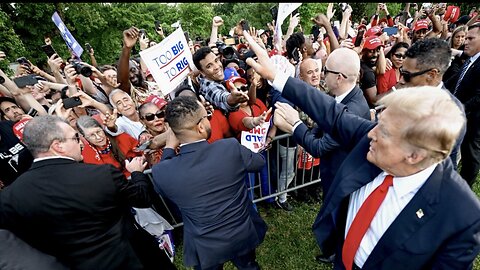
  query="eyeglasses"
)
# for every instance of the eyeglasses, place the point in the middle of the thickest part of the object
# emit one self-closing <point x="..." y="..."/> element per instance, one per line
<point x="407" y="76"/>
<point x="399" y="55"/>
<point x="243" y="88"/>
<point x="151" y="116"/>
<point x="97" y="134"/>
<point x="77" y="138"/>
<point x="326" y="70"/>
<point x="208" y="116"/>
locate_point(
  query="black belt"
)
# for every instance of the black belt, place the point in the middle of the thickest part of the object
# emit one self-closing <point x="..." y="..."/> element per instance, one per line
<point x="355" y="267"/>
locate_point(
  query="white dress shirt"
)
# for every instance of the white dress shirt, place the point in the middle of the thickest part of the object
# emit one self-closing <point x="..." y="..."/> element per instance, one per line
<point x="398" y="196"/>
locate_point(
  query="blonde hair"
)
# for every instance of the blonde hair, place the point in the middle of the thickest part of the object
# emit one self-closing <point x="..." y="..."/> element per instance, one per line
<point x="435" y="120"/>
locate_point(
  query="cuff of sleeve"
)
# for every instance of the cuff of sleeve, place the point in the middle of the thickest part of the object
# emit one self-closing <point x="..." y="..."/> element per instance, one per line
<point x="280" y="81"/>
<point x="298" y="123"/>
<point x="113" y="133"/>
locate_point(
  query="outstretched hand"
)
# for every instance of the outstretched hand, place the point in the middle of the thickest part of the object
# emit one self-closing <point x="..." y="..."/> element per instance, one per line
<point x="137" y="164"/>
<point x="264" y="66"/>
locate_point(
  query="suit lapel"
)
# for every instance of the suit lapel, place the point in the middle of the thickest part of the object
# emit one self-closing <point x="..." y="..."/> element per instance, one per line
<point x="349" y="96"/>
<point x="416" y="213"/>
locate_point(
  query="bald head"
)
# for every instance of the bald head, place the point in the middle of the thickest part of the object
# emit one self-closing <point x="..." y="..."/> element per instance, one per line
<point x="310" y="71"/>
<point x="345" y="61"/>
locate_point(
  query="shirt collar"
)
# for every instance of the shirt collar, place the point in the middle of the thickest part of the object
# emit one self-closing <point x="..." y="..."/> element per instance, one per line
<point x="475" y="57"/>
<point x="52" y="157"/>
<point x="183" y="144"/>
<point x="411" y="183"/>
<point x="342" y="96"/>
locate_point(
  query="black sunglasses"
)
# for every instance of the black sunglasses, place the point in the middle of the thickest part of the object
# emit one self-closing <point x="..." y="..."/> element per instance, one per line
<point x="208" y="116"/>
<point x="151" y="116"/>
<point x="326" y="70"/>
<point x="243" y="88"/>
<point x="399" y="55"/>
<point x="407" y="76"/>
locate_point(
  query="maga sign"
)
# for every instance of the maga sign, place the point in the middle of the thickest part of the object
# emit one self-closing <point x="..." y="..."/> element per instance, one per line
<point x="255" y="139"/>
<point x="169" y="61"/>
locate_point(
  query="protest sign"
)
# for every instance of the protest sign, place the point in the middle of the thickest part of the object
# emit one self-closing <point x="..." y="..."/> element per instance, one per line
<point x="255" y="139"/>
<point x="67" y="36"/>
<point x="170" y="61"/>
<point x="284" y="9"/>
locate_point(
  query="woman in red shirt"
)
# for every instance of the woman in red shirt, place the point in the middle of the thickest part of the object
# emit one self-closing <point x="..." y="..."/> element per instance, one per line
<point x="386" y="81"/>
<point x="101" y="148"/>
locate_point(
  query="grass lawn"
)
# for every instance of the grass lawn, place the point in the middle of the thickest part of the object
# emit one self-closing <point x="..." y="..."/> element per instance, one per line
<point x="289" y="243"/>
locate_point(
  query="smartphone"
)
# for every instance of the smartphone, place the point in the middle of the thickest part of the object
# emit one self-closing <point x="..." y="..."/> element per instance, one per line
<point x="359" y="38"/>
<point x="144" y="145"/>
<point x="390" y="30"/>
<point x="25" y="80"/>
<point x="143" y="33"/>
<point x="296" y="55"/>
<point x="245" y="26"/>
<point x="32" y="112"/>
<point x="158" y="25"/>
<point x="48" y="49"/>
<point x="23" y="61"/>
<point x="187" y="36"/>
<point x="274" y="12"/>
<point x="88" y="47"/>
<point x="71" y="102"/>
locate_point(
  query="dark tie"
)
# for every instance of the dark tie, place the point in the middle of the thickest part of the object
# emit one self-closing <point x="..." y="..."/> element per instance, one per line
<point x="362" y="221"/>
<point x="462" y="73"/>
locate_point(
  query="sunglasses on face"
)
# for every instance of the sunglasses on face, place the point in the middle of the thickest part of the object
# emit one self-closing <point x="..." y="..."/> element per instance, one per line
<point x="399" y="55"/>
<point x="407" y="76"/>
<point x="326" y="70"/>
<point x="151" y="116"/>
<point x="243" y="88"/>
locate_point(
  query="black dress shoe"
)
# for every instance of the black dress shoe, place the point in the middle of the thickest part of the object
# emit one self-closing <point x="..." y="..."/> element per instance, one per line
<point x="325" y="259"/>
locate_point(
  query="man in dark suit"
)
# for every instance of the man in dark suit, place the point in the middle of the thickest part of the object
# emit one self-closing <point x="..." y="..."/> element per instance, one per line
<point x="412" y="223"/>
<point x="79" y="213"/>
<point x="467" y="90"/>
<point x="425" y="63"/>
<point x="207" y="183"/>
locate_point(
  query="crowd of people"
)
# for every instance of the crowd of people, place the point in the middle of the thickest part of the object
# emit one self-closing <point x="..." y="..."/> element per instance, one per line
<point x="389" y="104"/>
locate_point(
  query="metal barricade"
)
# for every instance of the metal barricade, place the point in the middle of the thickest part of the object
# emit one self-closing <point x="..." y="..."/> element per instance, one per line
<point x="271" y="186"/>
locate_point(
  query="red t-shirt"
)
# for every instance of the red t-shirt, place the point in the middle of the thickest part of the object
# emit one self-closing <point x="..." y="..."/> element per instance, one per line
<point x="125" y="142"/>
<point x="235" y="118"/>
<point x="219" y="125"/>
<point x="386" y="81"/>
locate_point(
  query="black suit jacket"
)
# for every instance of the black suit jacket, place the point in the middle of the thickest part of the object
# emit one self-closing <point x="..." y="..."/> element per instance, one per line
<point x="76" y="212"/>
<point x="447" y="236"/>
<point x="331" y="153"/>
<point x="468" y="91"/>
<point x="207" y="183"/>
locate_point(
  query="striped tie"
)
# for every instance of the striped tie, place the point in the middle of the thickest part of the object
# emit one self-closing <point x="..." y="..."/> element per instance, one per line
<point x="462" y="73"/>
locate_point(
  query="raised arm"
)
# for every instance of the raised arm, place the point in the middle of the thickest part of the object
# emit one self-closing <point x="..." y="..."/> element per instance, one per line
<point x="130" y="37"/>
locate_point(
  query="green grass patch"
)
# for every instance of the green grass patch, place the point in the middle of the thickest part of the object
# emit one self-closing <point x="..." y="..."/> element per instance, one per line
<point x="289" y="243"/>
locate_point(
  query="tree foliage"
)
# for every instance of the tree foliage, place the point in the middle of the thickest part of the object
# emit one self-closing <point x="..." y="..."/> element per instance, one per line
<point x="23" y="26"/>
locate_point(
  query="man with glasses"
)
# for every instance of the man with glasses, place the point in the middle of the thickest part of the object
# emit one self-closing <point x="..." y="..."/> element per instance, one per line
<point x="341" y="82"/>
<point x="79" y="213"/>
<point x="207" y="183"/>
<point x="372" y="57"/>
<point x="425" y="63"/>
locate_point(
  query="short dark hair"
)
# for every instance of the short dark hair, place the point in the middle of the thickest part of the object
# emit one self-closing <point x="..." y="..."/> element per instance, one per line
<point x="4" y="99"/>
<point x="296" y="40"/>
<point x="180" y="110"/>
<point x="431" y="53"/>
<point x="475" y="25"/>
<point x="395" y="47"/>
<point x="199" y="55"/>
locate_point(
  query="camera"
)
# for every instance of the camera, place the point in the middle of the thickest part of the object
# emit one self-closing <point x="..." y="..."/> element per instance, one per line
<point x="23" y="61"/>
<point x="343" y="6"/>
<point x="228" y="52"/>
<point x="81" y="69"/>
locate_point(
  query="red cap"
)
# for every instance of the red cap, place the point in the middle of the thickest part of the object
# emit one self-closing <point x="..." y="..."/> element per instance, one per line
<point x="160" y="102"/>
<point x="241" y="46"/>
<point x="453" y="12"/>
<point x="420" y="24"/>
<point x="374" y="31"/>
<point x="372" y="43"/>
<point x="382" y="20"/>
<point x="233" y="80"/>
<point x="147" y="72"/>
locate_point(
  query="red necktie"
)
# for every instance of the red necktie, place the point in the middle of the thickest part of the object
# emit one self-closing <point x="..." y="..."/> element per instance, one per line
<point x="362" y="221"/>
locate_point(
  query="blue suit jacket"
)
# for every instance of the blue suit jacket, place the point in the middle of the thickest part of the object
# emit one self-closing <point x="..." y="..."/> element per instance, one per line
<point x="207" y="183"/>
<point x="446" y="237"/>
<point x="331" y="153"/>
